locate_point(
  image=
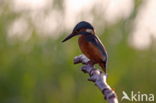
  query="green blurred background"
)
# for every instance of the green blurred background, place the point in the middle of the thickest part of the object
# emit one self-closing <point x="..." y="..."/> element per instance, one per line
<point x="38" y="68"/>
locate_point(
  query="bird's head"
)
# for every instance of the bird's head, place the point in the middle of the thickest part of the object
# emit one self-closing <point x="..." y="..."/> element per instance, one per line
<point x="82" y="28"/>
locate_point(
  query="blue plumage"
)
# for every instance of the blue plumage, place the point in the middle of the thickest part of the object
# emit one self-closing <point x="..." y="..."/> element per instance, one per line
<point x="90" y="44"/>
<point x="83" y="24"/>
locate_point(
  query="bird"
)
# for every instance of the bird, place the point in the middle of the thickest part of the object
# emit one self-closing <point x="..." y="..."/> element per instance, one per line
<point x="89" y="44"/>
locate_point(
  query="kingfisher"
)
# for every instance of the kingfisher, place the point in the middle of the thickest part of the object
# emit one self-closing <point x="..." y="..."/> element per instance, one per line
<point x="90" y="44"/>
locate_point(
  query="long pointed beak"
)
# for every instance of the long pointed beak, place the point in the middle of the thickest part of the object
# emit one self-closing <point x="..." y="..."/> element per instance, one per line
<point x="69" y="37"/>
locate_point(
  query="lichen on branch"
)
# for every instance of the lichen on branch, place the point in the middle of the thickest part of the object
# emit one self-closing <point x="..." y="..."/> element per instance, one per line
<point x="97" y="77"/>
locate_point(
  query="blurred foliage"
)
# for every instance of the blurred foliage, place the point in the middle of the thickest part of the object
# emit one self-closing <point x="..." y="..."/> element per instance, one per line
<point x="40" y="70"/>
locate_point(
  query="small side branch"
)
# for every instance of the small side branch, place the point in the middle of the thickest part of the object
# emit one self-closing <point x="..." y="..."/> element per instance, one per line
<point x="97" y="77"/>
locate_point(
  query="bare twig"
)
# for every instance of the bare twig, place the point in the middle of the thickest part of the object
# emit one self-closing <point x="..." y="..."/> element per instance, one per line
<point x="98" y="78"/>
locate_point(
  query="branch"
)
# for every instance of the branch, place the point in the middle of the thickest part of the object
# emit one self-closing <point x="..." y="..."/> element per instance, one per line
<point x="98" y="78"/>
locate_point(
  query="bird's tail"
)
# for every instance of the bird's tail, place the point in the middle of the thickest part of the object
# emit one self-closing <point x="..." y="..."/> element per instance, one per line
<point x="103" y="66"/>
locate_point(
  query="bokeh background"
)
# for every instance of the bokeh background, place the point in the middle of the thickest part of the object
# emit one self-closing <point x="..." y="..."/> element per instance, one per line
<point x="36" y="67"/>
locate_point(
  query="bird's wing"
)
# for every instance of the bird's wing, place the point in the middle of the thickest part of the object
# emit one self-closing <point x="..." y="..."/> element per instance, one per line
<point x="97" y="43"/>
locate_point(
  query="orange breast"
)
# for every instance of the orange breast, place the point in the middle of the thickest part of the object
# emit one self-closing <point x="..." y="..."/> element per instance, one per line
<point x="90" y="50"/>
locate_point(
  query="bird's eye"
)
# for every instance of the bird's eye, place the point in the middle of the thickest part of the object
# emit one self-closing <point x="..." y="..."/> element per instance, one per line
<point x="76" y="31"/>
